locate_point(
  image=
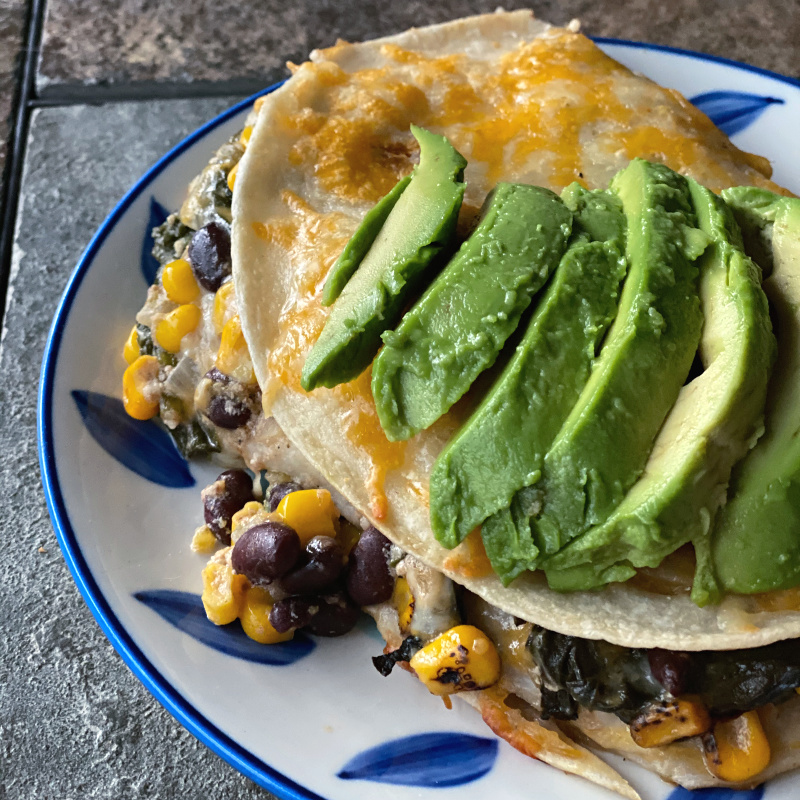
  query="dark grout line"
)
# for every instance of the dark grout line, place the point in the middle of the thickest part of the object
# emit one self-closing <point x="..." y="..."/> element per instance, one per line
<point x="16" y="146"/>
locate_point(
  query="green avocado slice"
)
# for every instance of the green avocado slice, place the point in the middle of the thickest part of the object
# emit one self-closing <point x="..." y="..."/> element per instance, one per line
<point x="755" y="545"/>
<point x="523" y="411"/>
<point x="459" y="326"/>
<point x="420" y="226"/>
<point x="360" y="243"/>
<point x="716" y="420"/>
<point x="604" y="444"/>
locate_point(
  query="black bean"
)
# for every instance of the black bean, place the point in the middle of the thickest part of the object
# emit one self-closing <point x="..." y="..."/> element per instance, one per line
<point x="369" y="578"/>
<point x="671" y="669"/>
<point x="279" y="491"/>
<point x="223" y="498"/>
<point x="210" y="255"/>
<point x="336" y="616"/>
<point x="266" y="551"/>
<point x="292" y="613"/>
<point x="324" y="563"/>
<point x="228" y="412"/>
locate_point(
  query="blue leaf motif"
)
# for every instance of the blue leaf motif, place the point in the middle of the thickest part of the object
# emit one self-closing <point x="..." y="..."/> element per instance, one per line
<point x="158" y="215"/>
<point x="717" y="794"/>
<point x="732" y="112"/>
<point x="185" y="611"/>
<point x="143" y="447"/>
<point x="433" y="760"/>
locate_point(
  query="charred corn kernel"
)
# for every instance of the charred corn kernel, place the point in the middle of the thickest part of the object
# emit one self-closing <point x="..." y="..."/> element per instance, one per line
<point x="232" y="177"/>
<point x="131" y="350"/>
<point x="669" y="721"/>
<point x="737" y="749"/>
<point x="135" y="396"/>
<point x="254" y="617"/>
<point x="244" y="139"/>
<point x="179" y="282"/>
<point x="233" y="357"/>
<point x="461" y="659"/>
<point x="246" y="511"/>
<point x="204" y="541"/>
<point x="222" y="305"/>
<point x="223" y="591"/>
<point x="311" y="512"/>
<point x="175" y="325"/>
<point x="403" y="601"/>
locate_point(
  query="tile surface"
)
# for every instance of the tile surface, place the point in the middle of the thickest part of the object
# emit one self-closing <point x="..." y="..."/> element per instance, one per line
<point x="12" y="25"/>
<point x="119" y="46"/>
<point x="74" y="721"/>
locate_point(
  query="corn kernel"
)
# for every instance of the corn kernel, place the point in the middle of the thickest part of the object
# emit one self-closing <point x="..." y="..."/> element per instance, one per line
<point x="254" y="616"/>
<point x="311" y="512"/>
<point x="461" y="659"/>
<point x="131" y="350"/>
<point x="244" y="139"/>
<point x="245" y="512"/>
<point x="737" y="750"/>
<point x="223" y="591"/>
<point x="669" y="721"/>
<point x="403" y="601"/>
<point x="232" y="177"/>
<point x="138" y="403"/>
<point x="233" y="357"/>
<point x="175" y="325"/>
<point x="348" y="536"/>
<point x="203" y="540"/>
<point x="179" y="282"/>
<point x="223" y="300"/>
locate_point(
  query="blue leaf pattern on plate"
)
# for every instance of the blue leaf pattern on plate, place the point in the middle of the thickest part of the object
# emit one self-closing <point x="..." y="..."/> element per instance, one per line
<point x="185" y="611"/>
<point x="717" y="794"/>
<point x="158" y="214"/>
<point x="732" y="112"/>
<point x="143" y="447"/>
<point x="429" y="759"/>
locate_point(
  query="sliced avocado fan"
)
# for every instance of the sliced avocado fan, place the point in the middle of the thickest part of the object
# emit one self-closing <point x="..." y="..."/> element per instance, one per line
<point x="604" y="444"/>
<point x="755" y="544"/>
<point x="418" y="228"/>
<point x="501" y="447"/>
<point x="457" y="328"/>
<point x="715" y="421"/>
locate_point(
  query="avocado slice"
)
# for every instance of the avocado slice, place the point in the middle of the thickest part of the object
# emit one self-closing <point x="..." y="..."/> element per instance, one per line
<point x="518" y="419"/>
<point x="459" y="326"/>
<point x="360" y="243"/>
<point x="605" y="441"/>
<point x="755" y="544"/>
<point x="715" y="421"/>
<point x="420" y="226"/>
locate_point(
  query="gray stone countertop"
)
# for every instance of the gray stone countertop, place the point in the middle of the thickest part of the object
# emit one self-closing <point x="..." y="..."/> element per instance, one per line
<point x="12" y="23"/>
<point x="94" y="46"/>
<point x="74" y="721"/>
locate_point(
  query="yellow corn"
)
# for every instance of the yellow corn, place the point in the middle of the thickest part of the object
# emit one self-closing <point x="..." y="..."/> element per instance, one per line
<point x="134" y="379"/>
<point x="179" y="282"/>
<point x="254" y="616"/>
<point x="348" y="536"/>
<point x="223" y="591"/>
<point x="403" y="601"/>
<point x="244" y="139"/>
<point x="669" y="721"/>
<point x="175" y="325"/>
<point x="311" y="512"/>
<point x="232" y="177"/>
<point x="204" y="541"/>
<point x="461" y="659"/>
<point x="737" y="749"/>
<point x="131" y="350"/>
<point x="222" y="305"/>
<point x="233" y="357"/>
<point x="245" y="512"/>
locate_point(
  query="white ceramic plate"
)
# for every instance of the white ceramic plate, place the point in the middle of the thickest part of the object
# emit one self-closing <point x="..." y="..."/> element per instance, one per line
<point x="309" y="719"/>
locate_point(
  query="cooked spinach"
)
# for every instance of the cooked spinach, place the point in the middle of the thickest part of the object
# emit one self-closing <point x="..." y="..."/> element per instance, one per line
<point x="193" y="439"/>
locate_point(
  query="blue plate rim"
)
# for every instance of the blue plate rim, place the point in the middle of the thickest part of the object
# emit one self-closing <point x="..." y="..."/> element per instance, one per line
<point x="169" y="697"/>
